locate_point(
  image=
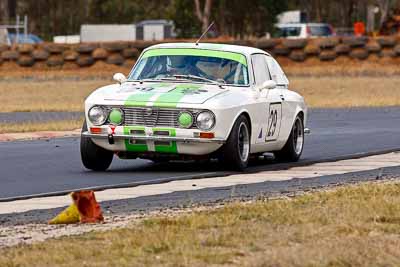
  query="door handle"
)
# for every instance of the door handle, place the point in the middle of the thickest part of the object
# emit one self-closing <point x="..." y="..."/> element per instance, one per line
<point x="282" y="97"/>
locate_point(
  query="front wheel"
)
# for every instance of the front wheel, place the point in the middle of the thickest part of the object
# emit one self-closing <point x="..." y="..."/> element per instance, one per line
<point x="94" y="157"/>
<point x="236" y="151"/>
<point x="293" y="148"/>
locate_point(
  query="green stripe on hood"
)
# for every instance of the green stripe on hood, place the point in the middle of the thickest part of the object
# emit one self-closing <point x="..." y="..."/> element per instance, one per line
<point x="141" y="99"/>
<point x="195" y="52"/>
<point x="172" y="98"/>
<point x="138" y="100"/>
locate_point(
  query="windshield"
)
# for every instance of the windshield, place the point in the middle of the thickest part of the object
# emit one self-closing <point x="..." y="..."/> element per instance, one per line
<point x="198" y="65"/>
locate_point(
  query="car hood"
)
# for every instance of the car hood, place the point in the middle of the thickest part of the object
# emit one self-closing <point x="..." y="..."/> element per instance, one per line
<point x="161" y="94"/>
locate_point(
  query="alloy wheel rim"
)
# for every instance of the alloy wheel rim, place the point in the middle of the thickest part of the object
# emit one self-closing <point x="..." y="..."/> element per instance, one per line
<point x="244" y="142"/>
<point x="298" y="136"/>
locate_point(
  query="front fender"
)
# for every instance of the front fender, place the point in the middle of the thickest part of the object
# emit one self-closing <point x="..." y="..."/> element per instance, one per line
<point x="241" y="111"/>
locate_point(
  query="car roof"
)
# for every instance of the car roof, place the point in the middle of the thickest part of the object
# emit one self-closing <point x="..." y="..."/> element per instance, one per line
<point x="245" y="50"/>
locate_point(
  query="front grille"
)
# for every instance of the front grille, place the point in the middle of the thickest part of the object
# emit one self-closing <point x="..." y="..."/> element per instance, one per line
<point x="154" y="117"/>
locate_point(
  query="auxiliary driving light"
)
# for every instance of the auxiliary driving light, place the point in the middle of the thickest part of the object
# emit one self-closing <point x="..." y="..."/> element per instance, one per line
<point x="185" y="119"/>
<point x="116" y="116"/>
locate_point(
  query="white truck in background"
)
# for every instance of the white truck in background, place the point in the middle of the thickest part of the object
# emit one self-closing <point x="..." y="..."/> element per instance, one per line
<point x="294" y="25"/>
<point x="146" y="30"/>
<point x="108" y="32"/>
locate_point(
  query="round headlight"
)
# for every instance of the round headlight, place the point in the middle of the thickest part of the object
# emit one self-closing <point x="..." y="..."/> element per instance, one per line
<point x="116" y="116"/>
<point x="97" y="115"/>
<point x="185" y="120"/>
<point x="205" y="120"/>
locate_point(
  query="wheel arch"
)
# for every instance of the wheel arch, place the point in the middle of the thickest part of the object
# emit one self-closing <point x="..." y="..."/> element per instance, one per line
<point x="247" y="115"/>
<point x="299" y="112"/>
<point x="301" y="115"/>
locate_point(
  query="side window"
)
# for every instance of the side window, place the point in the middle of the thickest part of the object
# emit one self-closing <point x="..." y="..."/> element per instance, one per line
<point x="276" y="72"/>
<point x="260" y="68"/>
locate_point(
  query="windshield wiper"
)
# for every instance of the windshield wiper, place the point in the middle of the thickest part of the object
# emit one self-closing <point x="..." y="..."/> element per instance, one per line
<point x="194" y="77"/>
<point x="172" y="78"/>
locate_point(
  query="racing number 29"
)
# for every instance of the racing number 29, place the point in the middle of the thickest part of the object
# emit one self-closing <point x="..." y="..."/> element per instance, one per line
<point x="274" y="121"/>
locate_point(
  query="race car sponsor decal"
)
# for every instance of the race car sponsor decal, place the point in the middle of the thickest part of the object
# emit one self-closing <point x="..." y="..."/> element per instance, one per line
<point x="260" y="134"/>
<point x="274" y="121"/>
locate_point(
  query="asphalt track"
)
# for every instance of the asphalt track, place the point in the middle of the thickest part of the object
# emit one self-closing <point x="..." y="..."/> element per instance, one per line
<point x="20" y="117"/>
<point x="42" y="167"/>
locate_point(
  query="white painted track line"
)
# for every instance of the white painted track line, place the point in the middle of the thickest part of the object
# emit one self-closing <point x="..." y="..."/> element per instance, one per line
<point x="315" y="170"/>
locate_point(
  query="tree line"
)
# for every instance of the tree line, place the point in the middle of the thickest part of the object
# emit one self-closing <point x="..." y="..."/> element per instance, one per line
<point x="237" y="18"/>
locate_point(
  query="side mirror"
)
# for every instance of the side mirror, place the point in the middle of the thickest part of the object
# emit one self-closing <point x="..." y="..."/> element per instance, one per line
<point x="270" y="84"/>
<point x="119" y="77"/>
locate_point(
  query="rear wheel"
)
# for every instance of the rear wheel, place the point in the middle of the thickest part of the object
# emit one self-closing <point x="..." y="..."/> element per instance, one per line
<point x="294" y="146"/>
<point x="236" y="151"/>
<point x="94" y="157"/>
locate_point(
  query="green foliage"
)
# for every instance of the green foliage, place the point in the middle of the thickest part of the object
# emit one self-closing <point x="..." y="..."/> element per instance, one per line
<point x="233" y="17"/>
<point x="182" y="13"/>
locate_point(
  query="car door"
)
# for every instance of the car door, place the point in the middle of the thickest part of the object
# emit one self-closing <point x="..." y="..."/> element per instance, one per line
<point x="271" y="101"/>
<point x="282" y="84"/>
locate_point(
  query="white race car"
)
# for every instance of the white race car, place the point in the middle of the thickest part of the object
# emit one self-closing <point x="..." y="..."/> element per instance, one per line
<point x="195" y="101"/>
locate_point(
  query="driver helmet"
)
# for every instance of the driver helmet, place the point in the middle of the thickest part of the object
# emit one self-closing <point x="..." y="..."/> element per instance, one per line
<point x="177" y="62"/>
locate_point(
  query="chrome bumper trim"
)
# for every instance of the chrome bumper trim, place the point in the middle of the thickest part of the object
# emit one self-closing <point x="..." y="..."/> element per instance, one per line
<point x="156" y="138"/>
<point x="307" y="130"/>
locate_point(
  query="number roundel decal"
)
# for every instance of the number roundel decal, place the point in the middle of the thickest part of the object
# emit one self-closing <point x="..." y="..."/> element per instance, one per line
<point x="274" y="121"/>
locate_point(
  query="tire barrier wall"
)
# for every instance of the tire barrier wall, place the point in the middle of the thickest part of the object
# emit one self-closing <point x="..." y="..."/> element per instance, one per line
<point x="50" y="55"/>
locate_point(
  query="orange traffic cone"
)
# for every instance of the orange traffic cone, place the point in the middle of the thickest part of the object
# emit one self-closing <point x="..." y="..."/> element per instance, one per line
<point x="89" y="209"/>
<point x="85" y="209"/>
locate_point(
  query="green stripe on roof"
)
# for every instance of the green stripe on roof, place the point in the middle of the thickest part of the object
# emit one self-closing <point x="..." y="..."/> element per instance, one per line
<point x="195" y="52"/>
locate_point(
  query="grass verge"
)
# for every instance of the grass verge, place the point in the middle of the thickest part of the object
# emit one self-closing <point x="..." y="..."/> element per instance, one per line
<point x="349" y="226"/>
<point x="63" y="95"/>
<point x="325" y="92"/>
<point x="344" y="92"/>
<point x="62" y="125"/>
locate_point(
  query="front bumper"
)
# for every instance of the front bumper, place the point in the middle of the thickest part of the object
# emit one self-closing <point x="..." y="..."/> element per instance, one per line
<point x="155" y="138"/>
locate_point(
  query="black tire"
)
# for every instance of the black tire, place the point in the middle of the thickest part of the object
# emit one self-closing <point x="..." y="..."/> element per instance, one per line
<point x="292" y="150"/>
<point x="94" y="157"/>
<point x="231" y="154"/>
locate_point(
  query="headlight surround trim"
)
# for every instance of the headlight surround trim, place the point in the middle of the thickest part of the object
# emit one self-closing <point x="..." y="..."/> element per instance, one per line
<point x="102" y="115"/>
<point x="200" y="123"/>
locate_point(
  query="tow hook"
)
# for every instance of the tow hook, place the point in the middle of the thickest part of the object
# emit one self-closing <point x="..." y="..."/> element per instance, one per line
<point x="111" y="140"/>
<point x="110" y="136"/>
